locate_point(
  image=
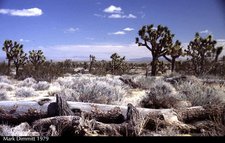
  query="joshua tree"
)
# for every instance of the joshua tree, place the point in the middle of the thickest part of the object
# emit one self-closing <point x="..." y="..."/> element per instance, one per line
<point x="117" y="63"/>
<point x="19" y="58"/>
<point x="203" y="53"/>
<point x="9" y="47"/>
<point x="175" y="51"/>
<point x="36" y="58"/>
<point x="92" y="61"/>
<point x="157" y="41"/>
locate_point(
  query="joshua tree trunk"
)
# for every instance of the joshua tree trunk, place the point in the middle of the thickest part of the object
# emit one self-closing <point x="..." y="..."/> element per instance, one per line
<point x="173" y="64"/>
<point x="9" y="64"/>
<point x="154" y="66"/>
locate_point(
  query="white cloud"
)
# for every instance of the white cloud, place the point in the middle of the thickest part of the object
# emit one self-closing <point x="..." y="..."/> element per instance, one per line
<point x="23" y="12"/>
<point x="205" y="32"/>
<point x="130" y="16"/>
<point x="128" y="29"/>
<point x="118" y="33"/>
<point x="116" y="13"/>
<point x="112" y="9"/>
<point x="23" y="40"/>
<point x="99" y="15"/>
<point x="71" y="30"/>
<point x="122" y="16"/>
<point x="115" y="16"/>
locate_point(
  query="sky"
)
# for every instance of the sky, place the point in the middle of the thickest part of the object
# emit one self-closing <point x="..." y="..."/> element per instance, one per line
<point x="74" y="29"/>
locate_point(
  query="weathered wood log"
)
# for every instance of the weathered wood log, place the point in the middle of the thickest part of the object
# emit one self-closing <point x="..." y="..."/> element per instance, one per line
<point x="59" y="126"/>
<point x="176" y="79"/>
<point x="62" y="107"/>
<point x="179" y="78"/>
<point x="131" y="83"/>
<point x="15" y="112"/>
<point x="210" y="112"/>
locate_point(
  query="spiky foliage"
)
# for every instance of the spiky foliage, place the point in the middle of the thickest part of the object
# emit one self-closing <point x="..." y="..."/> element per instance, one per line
<point x="19" y="59"/>
<point x="9" y="47"/>
<point x="203" y="53"/>
<point x="92" y="61"/>
<point x="36" y="58"/>
<point x="117" y="64"/>
<point x="157" y="41"/>
<point x="175" y="51"/>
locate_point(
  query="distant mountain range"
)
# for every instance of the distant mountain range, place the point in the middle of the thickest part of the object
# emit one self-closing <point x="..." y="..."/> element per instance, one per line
<point x="143" y="59"/>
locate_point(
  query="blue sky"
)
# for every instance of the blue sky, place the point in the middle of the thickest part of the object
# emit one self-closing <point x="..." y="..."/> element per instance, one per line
<point x="77" y="28"/>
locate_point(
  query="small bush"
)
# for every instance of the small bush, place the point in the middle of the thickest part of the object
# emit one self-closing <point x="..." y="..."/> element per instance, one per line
<point x="23" y="129"/>
<point x="5" y="79"/>
<point x="199" y="94"/>
<point x="89" y="88"/>
<point x="145" y="82"/>
<point x="25" y="92"/>
<point x="41" y="85"/>
<point x="3" y="95"/>
<point x="6" y="86"/>
<point x="28" y="82"/>
<point x="161" y="95"/>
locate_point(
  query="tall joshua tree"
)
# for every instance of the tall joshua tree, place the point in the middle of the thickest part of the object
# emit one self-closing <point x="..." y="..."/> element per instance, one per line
<point x="117" y="64"/>
<point x="36" y="58"/>
<point x="19" y="58"/>
<point x="157" y="41"/>
<point x="9" y="48"/>
<point x="203" y="53"/>
<point x="92" y="61"/>
<point x="175" y="51"/>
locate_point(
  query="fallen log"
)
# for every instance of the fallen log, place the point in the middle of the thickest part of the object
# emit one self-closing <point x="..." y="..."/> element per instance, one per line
<point x="58" y="126"/>
<point x="131" y="83"/>
<point x="15" y="112"/>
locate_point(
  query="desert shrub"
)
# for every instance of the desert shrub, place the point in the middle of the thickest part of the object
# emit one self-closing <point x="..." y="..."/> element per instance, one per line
<point x="161" y="95"/>
<point x="3" y="95"/>
<point x="23" y="129"/>
<point x="28" y="82"/>
<point x="144" y="82"/>
<point x="68" y="94"/>
<point x="6" y="86"/>
<point x="41" y="85"/>
<point x="5" y="79"/>
<point x="25" y="92"/>
<point x="54" y="88"/>
<point x="3" y="68"/>
<point x="199" y="94"/>
<point x="89" y="88"/>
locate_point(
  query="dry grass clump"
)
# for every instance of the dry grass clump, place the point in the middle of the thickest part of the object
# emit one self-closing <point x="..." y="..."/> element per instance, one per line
<point x="6" y="86"/>
<point x="23" y="129"/>
<point x="5" y="79"/>
<point x="161" y="95"/>
<point x="28" y="82"/>
<point x="3" y="95"/>
<point x="199" y="94"/>
<point x="25" y="92"/>
<point x="89" y="88"/>
<point x="41" y="85"/>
